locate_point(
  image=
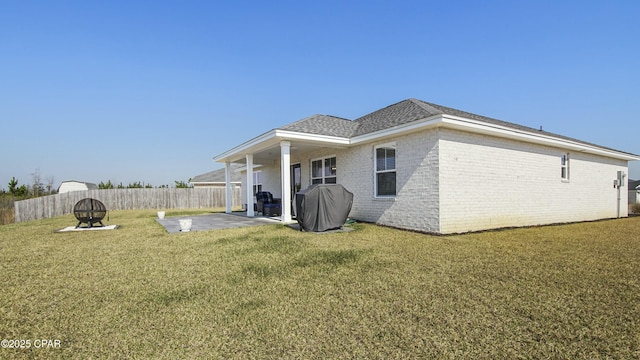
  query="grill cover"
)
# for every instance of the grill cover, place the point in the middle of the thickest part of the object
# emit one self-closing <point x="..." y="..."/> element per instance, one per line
<point x="323" y="207"/>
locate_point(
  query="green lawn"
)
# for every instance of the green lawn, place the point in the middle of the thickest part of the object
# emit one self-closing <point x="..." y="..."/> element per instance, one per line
<point x="565" y="292"/>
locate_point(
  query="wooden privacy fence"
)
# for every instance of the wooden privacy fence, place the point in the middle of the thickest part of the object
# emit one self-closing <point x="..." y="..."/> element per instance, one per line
<point x="125" y="199"/>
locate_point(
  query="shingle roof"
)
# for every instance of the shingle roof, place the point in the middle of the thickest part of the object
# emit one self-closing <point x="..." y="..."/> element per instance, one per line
<point x="403" y="112"/>
<point x="323" y="125"/>
<point x="410" y="110"/>
<point x="216" y="176"/>
<point x="400" y="113"/>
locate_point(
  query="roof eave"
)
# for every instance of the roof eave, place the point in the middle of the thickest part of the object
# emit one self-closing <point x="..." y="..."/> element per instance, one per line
<point x="272" y="138"/>
<point x="455" y="122"/>
<point x="480" y="127"/>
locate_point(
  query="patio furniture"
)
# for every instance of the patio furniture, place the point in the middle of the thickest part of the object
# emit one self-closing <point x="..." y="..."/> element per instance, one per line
<point x="267" y="205"/>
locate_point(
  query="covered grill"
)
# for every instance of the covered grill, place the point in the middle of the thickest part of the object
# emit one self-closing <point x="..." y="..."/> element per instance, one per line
<point x="89" y="211"/>
<point x="323" y="207"/>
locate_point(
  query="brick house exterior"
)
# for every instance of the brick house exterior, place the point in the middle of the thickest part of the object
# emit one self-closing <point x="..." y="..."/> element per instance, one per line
<point x="421" y="166"/>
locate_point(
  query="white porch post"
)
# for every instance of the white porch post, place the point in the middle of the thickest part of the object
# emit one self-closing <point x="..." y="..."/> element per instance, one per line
<point x="249" y="190"/>
<point x="227" y="186"/>
<point x="285" y="166"/>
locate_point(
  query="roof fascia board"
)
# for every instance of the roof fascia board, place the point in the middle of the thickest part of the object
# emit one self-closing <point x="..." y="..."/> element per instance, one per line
<point x="469" y="125"/>
<point x="456" y="122"/>
<point x="246" y="147"/>
<point x="273" y="137"/>
<point x="294" y="135"/>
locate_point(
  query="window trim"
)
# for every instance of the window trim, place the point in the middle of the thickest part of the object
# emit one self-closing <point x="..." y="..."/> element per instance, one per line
<point x="323" y="177"/>
<point x="389" y="145"/>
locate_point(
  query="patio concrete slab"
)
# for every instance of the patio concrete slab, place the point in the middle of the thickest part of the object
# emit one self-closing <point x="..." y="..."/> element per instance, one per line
<point x="214" y="222"/>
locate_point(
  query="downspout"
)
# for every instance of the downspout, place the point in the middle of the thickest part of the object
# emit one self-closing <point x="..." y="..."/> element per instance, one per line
<point x="618" y="184"/>
<point x="618" y="214"/>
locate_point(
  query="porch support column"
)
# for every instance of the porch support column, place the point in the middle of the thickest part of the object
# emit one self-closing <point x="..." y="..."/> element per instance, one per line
<point x="227" y="186"/>
<point x="285" y="173"/>
<point x="249" y="189"/>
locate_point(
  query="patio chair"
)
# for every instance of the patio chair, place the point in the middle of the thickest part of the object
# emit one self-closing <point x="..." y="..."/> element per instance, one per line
<point x="267" y="205"/>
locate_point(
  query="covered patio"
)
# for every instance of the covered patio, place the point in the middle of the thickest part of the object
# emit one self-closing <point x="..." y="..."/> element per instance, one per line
<point x="276" y="148"/>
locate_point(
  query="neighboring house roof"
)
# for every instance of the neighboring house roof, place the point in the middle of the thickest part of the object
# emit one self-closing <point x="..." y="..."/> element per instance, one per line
<point x="634" y="184"/>
<point x="216" y="176"/>
<point x="73" y="185"/>
<point x="402" y="117"/>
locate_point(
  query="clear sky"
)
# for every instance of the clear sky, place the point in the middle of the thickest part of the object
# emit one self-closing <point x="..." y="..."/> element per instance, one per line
<point x="151" y="91"/>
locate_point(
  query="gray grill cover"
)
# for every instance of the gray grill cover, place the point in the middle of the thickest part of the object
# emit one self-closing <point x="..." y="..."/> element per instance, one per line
<point x="323" y="207"/>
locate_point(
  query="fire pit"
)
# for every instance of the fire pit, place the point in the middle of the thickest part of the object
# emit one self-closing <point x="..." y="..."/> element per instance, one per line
<point x="90" y="211"/>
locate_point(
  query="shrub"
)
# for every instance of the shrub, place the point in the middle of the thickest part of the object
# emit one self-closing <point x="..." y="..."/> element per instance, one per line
<point x="635" y="208"/>
<point x="6" y="209"/>
<point x="6" y="216"/>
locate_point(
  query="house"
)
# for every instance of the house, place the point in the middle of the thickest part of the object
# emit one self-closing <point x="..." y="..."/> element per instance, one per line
<point x="634" y="191"/>
<point x="216" y="178"/>
<point x="72" y="185"/>
<point x="409" y="164"/>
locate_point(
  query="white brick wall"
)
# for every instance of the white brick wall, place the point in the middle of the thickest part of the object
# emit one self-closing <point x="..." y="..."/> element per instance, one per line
<point x="451" y="181"/>
<point x="487" y="182"/>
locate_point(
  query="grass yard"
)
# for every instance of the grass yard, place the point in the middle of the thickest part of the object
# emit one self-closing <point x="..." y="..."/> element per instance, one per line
<point x="559" y="292"/>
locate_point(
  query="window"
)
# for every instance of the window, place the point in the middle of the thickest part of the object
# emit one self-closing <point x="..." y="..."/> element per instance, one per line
<point x="385" y="179"/>
<point x="323" y="171"/>
<point x="564" y="167"/>
<point x="257" y="181"/>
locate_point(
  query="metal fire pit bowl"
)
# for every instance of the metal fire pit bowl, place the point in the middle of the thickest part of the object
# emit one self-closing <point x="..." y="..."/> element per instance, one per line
<point x="89" y="211"/>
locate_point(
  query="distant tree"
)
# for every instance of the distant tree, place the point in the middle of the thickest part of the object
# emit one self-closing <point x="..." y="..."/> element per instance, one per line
<point x="120" y="186"/>
<point x="148" y="186"/>
<point x="16" y="190"/>
<point x="107" y="185"/>
<point x="13" y="185"/>
<point x="50" y="181"/>
<point x="182" y="185"/>
<point x="37" y="188"/>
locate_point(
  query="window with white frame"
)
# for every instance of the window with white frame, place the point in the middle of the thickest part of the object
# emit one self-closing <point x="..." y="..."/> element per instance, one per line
<point x="324" y="171"/>
<point x="385" y="170"/>
<point x="257" y="181"/>
<point x="564" y="167"/>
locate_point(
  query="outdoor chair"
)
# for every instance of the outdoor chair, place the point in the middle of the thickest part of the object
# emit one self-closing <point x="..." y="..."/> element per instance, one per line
<point x="267" y="205"/>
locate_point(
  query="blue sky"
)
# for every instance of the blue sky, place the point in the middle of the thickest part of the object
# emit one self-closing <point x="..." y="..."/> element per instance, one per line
<point x="151" y="91"/>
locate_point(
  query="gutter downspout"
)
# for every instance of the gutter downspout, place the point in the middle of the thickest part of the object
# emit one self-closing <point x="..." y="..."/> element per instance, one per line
<point x="620" y="183"/>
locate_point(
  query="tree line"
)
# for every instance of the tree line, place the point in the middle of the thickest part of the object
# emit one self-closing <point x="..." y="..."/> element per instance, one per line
<point x="39" y="188"/>
<point x="140" y="185"/>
